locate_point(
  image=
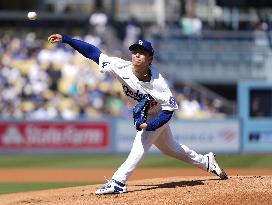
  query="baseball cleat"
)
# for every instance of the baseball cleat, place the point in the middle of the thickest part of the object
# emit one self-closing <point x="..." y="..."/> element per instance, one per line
<point x="112" y="187"/>
<point x="214" y="168"/>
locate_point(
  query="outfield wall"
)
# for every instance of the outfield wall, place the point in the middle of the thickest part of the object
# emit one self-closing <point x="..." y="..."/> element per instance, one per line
<point x="220" y="136"/>
<point x="112" y="136"/>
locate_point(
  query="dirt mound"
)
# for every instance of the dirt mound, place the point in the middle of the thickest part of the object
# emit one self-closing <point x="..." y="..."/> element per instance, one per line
<point x="173" y="190"/>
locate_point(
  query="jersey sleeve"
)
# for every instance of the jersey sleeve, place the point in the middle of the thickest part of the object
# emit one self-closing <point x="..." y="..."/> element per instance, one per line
<point x="168" y="102"/>
<point x="111" y="64"/>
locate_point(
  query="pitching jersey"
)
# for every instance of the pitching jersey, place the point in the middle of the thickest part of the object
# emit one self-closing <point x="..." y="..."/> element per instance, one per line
<point x="156" y="90"/>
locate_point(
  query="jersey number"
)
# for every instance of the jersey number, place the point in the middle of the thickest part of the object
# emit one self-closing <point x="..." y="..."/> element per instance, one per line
<point x="104" y="64"/>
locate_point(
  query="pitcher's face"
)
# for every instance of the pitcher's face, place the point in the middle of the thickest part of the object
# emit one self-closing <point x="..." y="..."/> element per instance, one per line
<point x="141" y="58"/>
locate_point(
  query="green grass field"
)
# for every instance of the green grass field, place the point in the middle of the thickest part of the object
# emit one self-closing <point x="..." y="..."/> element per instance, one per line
<point x="113" y="161"/>
<point x="109" y="161"/>
<point x="7" y="188"/>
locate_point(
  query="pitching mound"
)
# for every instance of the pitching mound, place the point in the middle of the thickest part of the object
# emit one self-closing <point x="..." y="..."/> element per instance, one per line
<point x="173" y="190"/>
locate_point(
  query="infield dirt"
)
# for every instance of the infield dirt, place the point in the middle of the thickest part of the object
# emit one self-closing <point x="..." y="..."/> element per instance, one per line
<point x="242" y="189"/>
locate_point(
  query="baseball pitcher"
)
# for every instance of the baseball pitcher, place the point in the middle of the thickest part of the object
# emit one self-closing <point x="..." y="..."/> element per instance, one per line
<point x="154" y="104"/>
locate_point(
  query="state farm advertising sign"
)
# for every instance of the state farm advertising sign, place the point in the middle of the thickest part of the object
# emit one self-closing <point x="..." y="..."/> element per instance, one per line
<point x="93" y="135"/>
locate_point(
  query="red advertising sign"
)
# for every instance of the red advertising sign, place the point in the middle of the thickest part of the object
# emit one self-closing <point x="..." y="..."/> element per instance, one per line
<point x="54" y="135"/>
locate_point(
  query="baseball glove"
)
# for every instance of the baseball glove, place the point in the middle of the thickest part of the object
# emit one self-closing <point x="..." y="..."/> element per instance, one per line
<point x="140" y="113"/>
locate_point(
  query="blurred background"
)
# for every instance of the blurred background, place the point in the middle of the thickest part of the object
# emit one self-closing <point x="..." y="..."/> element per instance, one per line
<point x="215" y="54"/>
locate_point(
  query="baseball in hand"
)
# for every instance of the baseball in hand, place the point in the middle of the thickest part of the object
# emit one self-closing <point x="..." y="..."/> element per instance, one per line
<point x="32" y="15"/>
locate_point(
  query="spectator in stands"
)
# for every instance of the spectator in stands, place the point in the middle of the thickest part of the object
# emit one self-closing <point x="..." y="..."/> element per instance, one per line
<point x="54" y="75"/>
<point x="93" y="38"/>
<point x="98" y="20"/>
<point x="55" y="82"/>
<point x="191" y="26"/>
<point x="190" y="107"/>
<point x="133" y="31"/>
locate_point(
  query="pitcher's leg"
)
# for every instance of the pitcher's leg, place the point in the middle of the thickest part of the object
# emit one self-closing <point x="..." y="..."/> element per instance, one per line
<point x="166" y="144"/>
<point x="142" y="143"/>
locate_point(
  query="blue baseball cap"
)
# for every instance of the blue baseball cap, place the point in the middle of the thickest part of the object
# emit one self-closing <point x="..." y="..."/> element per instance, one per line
<point x="146" y="45"/>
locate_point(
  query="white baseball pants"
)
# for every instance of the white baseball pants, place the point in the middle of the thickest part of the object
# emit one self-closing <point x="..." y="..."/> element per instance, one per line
<point x="162" y="138"/>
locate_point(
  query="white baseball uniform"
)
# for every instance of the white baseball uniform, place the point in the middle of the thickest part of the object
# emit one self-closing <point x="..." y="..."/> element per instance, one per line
<point x="161" y="99"/>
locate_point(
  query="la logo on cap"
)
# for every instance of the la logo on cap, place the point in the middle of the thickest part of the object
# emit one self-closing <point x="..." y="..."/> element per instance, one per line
<point x="140" y="42"/>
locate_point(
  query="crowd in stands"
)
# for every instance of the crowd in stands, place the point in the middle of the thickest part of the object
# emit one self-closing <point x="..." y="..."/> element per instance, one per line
<point x="39" y="80"/>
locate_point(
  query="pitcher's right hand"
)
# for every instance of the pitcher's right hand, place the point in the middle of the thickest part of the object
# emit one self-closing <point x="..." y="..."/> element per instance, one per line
<point x="55" y="38"/>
